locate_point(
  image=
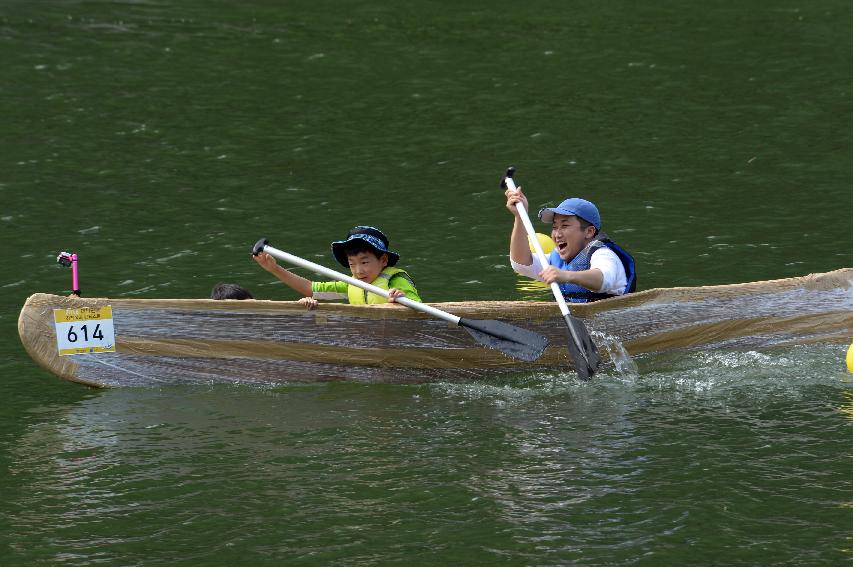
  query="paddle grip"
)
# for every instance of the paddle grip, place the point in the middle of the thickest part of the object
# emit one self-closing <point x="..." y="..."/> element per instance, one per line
<point x="259" y="246"/>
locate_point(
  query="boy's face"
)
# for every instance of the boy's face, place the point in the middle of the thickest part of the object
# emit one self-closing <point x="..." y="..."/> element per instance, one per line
<point x="568" y="235"/>
<point x="365" y="266"/>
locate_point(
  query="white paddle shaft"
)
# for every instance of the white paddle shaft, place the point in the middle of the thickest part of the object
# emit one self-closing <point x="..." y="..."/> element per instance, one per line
<point x="558" y="295"/>
<point x="308" y="265"/>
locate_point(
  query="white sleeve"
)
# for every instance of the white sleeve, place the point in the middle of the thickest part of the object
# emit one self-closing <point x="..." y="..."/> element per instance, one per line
<point x="531" y="271"/>
<point x="615" y="278"/>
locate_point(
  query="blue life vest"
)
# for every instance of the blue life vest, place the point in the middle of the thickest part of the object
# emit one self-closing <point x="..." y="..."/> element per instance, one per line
<point x="578" y="294"/>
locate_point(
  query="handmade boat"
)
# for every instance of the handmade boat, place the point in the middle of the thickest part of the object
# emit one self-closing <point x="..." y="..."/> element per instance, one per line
<point x="174" y="341"/>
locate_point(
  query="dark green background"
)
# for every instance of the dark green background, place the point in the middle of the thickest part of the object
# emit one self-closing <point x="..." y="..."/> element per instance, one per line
<point x="160" y="140"/>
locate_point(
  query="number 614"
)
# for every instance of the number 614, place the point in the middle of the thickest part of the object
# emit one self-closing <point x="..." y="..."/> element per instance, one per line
<point x="84" y="329"/>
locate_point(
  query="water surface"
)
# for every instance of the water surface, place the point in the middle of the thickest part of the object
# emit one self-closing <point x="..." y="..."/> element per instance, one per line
<point x="160" y="140"/>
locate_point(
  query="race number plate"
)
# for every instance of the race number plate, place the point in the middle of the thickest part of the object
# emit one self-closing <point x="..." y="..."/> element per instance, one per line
<point x="84" y="331"/>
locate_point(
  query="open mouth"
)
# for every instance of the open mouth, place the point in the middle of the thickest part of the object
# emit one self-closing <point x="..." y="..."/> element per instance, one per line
<point x="561" y="246"/>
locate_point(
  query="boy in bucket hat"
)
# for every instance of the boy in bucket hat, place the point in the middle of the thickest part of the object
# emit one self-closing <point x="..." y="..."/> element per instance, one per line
<point x="586" y="264"/>
<point x="365" y="252"/>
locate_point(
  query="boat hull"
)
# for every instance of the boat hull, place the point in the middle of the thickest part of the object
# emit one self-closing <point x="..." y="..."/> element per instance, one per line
<point x="166" y="341"/>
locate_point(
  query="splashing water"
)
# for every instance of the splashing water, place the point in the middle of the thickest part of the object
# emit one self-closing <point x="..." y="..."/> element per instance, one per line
<point x="615" y="350"/>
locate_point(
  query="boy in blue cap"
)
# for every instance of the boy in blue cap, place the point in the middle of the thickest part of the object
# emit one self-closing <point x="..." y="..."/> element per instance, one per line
<point x="586" y="264"/>
<point x="365" y="252"/>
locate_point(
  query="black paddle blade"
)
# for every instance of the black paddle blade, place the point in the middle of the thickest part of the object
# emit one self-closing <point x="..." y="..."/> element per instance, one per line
<point x="509" y="339"/>
<point x="583" y="350"/>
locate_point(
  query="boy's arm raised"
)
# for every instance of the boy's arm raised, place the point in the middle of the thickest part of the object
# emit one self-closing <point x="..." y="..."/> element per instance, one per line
<point x="519" y="250"/>
<point x="287" y="277"/>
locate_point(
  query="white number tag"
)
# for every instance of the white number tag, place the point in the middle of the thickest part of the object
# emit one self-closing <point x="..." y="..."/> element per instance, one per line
<point x="85" y="330"/>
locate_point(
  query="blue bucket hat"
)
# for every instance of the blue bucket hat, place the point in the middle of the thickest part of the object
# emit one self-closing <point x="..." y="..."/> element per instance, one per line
<point x="574" y="206"/>
<point x="369" y="235"/>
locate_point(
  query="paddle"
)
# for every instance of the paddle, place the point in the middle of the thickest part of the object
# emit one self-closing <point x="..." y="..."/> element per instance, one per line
<point x="509" y="339"/>
<point x="581" y="348"/>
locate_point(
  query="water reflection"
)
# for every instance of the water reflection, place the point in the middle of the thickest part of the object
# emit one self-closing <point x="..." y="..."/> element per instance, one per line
<point x="505" y="467"/>
<point x="533" y="290"/>
<point x="846" y="408"/>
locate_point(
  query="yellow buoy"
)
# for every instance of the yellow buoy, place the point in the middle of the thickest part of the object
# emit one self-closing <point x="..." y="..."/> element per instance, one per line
<point x="544" y="241"/>
<point x="850" y="358"/>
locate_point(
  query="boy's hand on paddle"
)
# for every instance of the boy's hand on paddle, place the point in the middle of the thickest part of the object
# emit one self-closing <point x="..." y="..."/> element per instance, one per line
<point x="551" y="275"/>
<point x="309" y="302"/>
<point x="514" y="197"/>
<point x="265" y="261"/>
<point x="394" y="293"/>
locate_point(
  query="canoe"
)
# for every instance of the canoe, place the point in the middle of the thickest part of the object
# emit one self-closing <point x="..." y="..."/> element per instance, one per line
<point x="180" y="341"/>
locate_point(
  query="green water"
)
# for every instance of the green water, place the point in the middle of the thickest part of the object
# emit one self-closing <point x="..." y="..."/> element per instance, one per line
<point x="160" y="140"/>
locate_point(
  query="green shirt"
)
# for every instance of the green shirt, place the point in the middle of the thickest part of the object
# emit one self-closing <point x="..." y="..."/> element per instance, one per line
<point x="339" y="290"/>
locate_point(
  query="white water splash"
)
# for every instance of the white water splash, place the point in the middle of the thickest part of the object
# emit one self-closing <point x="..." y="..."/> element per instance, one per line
<point x="615" y="350"/>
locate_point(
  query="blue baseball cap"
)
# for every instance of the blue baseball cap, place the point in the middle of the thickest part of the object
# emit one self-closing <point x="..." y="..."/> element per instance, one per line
<point x="574" y="206"/>
<point x="369" y="235"/>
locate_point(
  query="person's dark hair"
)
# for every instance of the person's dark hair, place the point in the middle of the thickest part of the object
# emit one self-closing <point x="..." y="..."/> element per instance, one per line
<point x="229" y="291"/>
<point x="585" y="224"/>
<point x="354" y="247"/>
